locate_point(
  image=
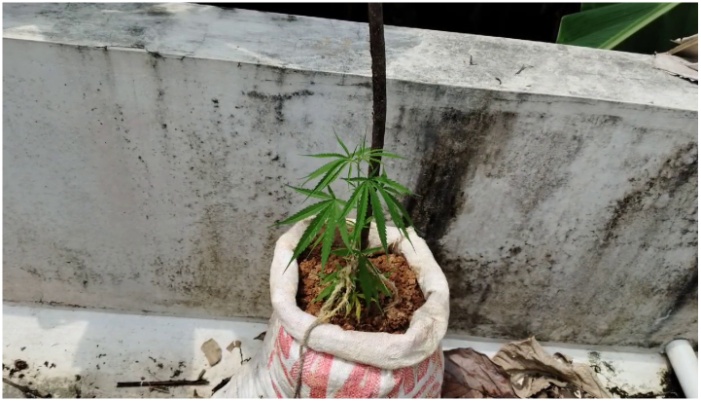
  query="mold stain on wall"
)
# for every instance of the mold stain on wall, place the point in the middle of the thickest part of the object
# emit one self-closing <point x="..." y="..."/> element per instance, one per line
<point x="452" y="150"/>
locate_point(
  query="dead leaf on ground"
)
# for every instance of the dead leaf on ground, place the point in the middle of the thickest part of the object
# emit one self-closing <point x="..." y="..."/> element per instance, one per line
<point x="212" y="351"/>
<point x="681" y="61"/>
<point x="470" y="374"/>
<point x="533" y="371"/>
<point x="234" y="344"/>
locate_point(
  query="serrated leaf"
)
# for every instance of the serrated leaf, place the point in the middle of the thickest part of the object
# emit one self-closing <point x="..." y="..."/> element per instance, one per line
<point x="330" y="176"/>
<point x="310" y="233"/>
<point x="304" y="213"/>
<point x="405" y="217"/>
<point x="322" y="170"/>
<point x="333" y="276"/>
<point x="379" y="217"/>
<point x="377" y="283"/>
<point x="367" y="286"/>
<point x="393" y="210"/>
<point x="384" y="289"/>
<point x="340" y="142"/>
<point x="309" y="193"/>
<point x="345" y="236"/>
<point x="399" y="188"/>
<point x="350" y="204"/>
<point x="362" y="208"/>
<point x="327" y="156"/>
<point x="329" y="235"/>
<point x="331" y="194"/>
<point x="392" y="155"/>
<point x="398" y="213"/>
<point x="324" y="293"/>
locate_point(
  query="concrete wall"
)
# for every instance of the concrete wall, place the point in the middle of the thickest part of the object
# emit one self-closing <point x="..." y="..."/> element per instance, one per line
<point x="146" y="150"/>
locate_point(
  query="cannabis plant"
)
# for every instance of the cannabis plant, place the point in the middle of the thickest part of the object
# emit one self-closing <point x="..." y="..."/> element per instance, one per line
<point x="358" y="284"/>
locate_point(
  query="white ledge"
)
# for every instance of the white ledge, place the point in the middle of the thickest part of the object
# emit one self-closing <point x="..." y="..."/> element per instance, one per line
<point x="105" y="348"/>
<point x="333" y="46"/>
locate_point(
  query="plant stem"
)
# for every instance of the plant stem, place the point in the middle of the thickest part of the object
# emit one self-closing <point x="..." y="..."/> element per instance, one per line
<point x="379" y="97"/>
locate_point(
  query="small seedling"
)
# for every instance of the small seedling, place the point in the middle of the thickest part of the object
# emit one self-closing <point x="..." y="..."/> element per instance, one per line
<point x="355" y="286"/>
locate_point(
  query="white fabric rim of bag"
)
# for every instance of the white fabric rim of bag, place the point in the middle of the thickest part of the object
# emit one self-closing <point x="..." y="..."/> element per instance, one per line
<point x="383" y="350"/>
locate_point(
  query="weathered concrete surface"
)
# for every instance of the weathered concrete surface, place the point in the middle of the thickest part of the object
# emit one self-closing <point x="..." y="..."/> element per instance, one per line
<point x="85" y="353"/>
<point x="147" y="147"/>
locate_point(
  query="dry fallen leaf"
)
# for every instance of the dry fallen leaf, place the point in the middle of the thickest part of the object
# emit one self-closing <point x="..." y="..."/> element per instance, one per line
<point x="212" y="351"/>
<point x="234" y="344"/>
<point x="470" y="374"/>
<point x="533" y="370"/>
<point x="681" y="61"/>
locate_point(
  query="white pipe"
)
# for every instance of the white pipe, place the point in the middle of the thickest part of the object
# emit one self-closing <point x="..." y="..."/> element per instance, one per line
<point x="685" y="364"/>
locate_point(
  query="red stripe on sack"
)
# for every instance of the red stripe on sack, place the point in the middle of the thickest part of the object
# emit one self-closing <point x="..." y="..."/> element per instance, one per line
<point x="438" y="359"/>
<point x="285" y="342"/>
<point x="272" y="353"/>
<point x="434" y="391"/>
<point x="277" y="392"/>
<point x="363" y="382"/>
<point x="424" y="389"/>
<point x="403" y="377"/>
<point x="286" y="372"/>
<point x="423" y="368"/>
<point x="431" y="380"/>
<point x="277" y="356"/>
<point x="316" y="373"/>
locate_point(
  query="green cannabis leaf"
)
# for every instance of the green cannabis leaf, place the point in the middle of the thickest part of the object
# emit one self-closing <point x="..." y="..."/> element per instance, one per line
<point x="359" y="284"/>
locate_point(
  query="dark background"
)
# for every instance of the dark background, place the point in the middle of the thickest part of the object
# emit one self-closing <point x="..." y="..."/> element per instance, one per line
<point x="536" y="22"/>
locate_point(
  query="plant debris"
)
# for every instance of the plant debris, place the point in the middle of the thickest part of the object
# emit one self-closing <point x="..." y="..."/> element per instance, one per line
<point x="521" y="369"/>
<point x="221" y="384"/>
<point x="234" y="344"/>
<point x="534" y="372"/>
<point x="237" y="344"/>
<point x="212" y="351"/>
<point x="167" y="383"/>
<point x="470" y="374"/>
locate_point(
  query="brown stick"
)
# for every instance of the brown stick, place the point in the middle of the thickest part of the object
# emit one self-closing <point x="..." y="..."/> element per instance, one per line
<point x="379" y="97"/>
<point x="167" y="383"/>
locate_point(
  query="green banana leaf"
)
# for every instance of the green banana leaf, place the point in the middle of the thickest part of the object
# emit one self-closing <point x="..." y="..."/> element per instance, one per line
<point x="636" y="27"/>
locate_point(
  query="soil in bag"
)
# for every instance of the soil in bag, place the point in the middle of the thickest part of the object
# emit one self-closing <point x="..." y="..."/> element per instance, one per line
<point x="395" y="319"/>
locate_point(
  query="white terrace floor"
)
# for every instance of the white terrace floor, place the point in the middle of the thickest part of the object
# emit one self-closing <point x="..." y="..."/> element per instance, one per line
<point x="75" y="351"/>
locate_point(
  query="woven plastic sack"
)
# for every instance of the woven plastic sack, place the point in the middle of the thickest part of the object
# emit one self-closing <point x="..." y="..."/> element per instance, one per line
<point x="348" y="364"/>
